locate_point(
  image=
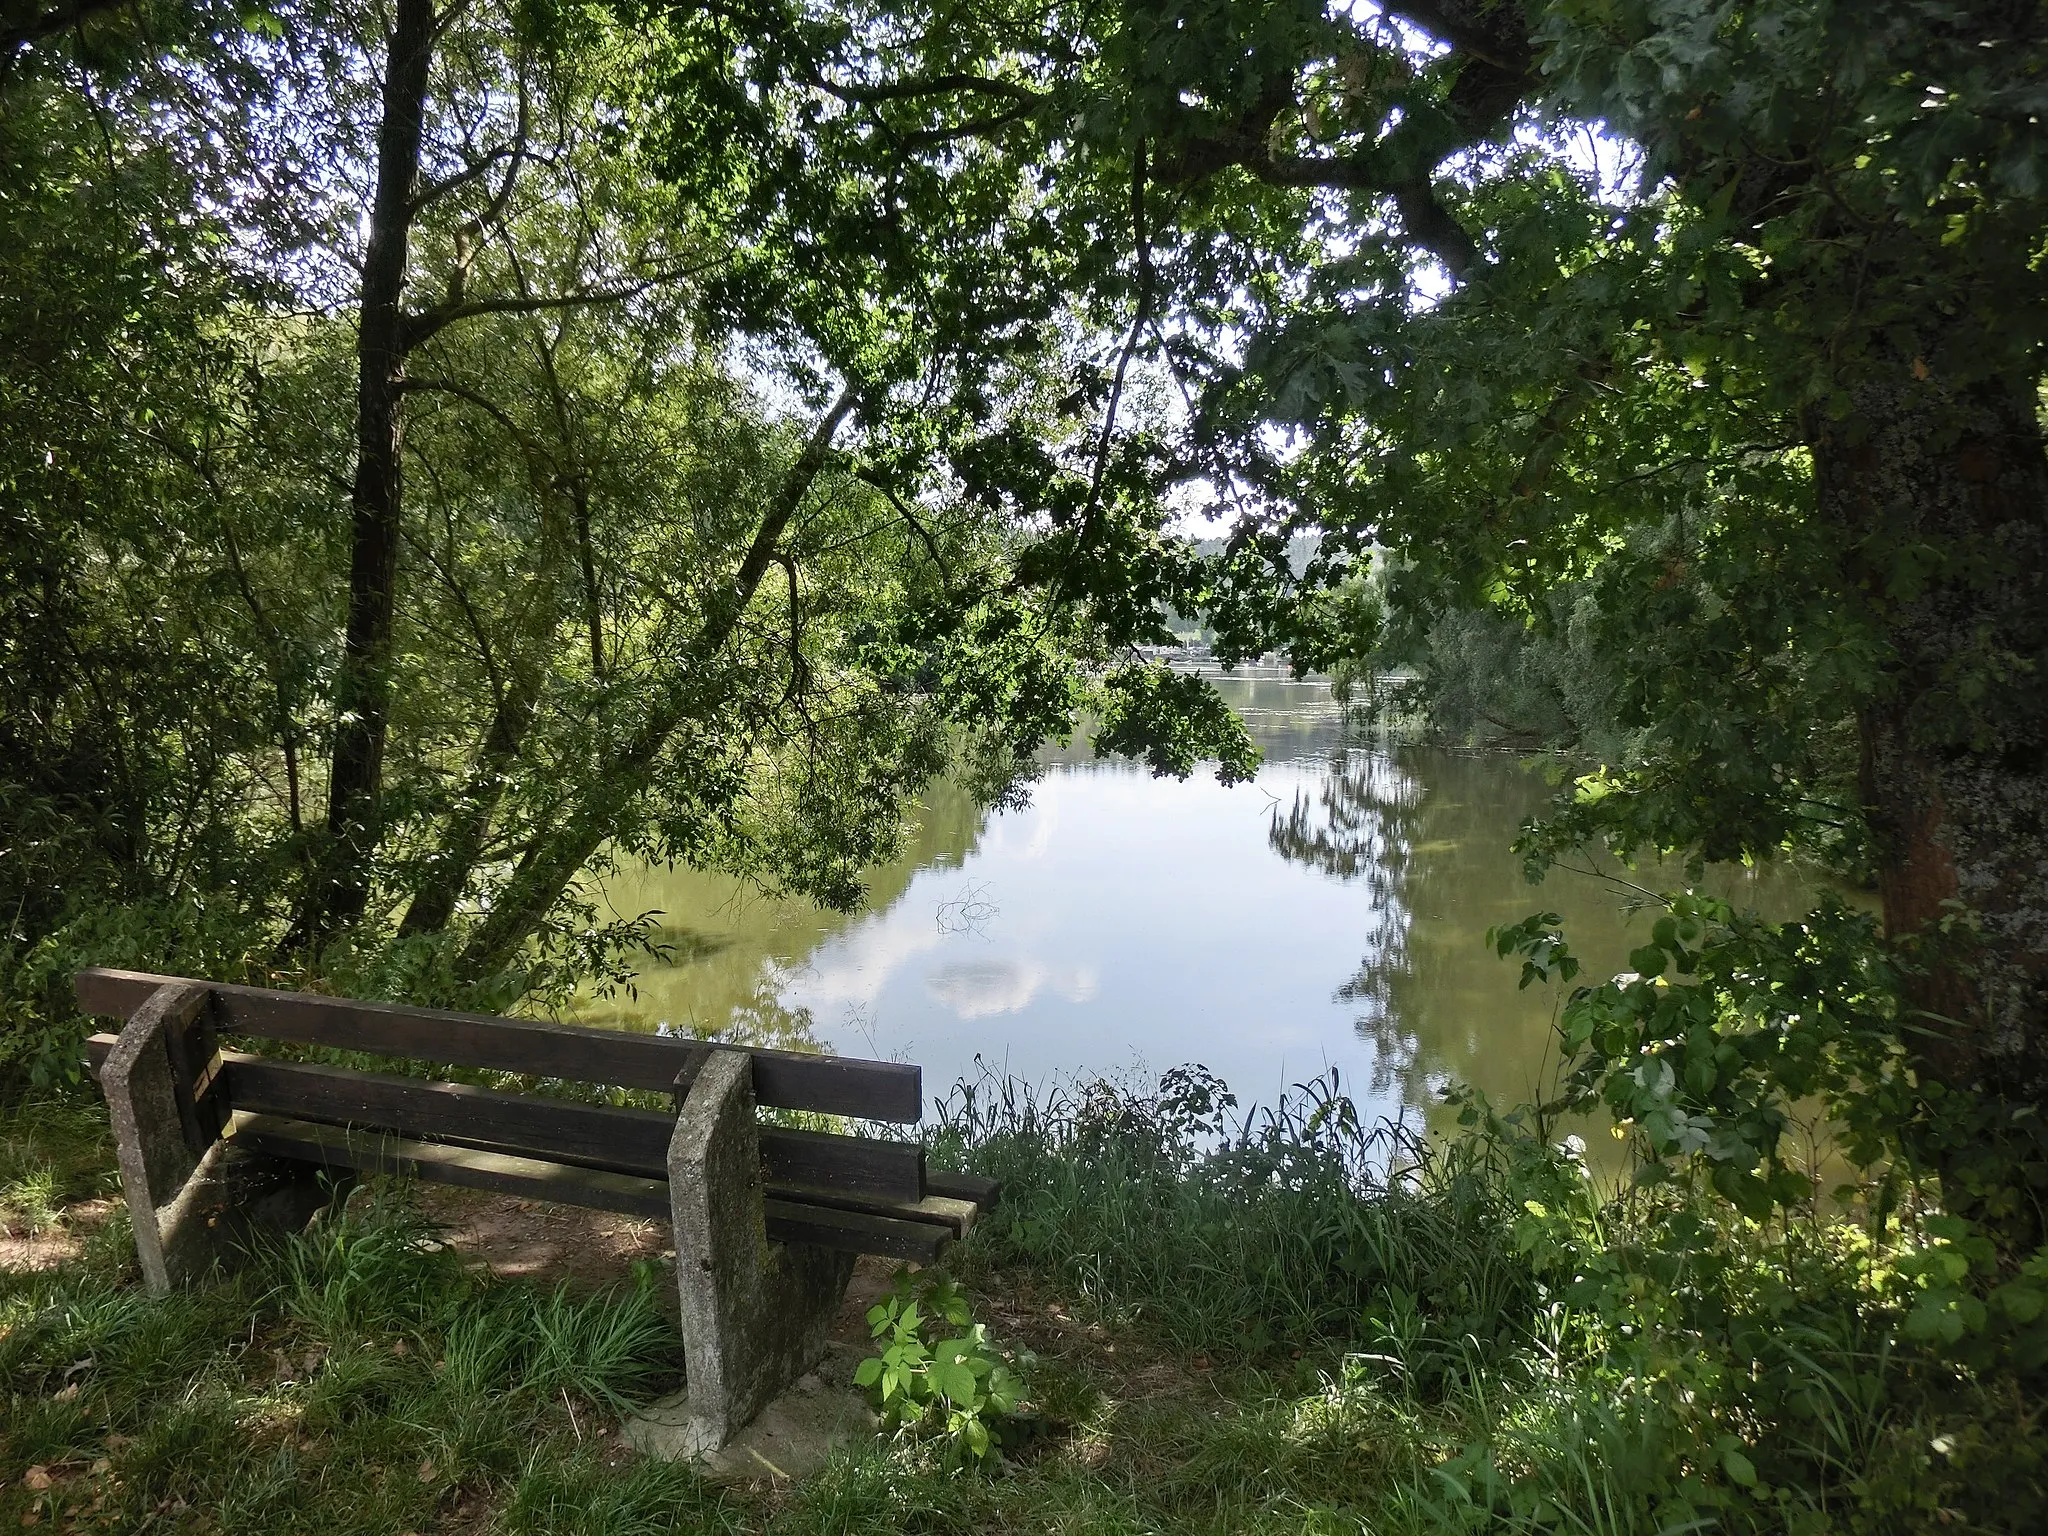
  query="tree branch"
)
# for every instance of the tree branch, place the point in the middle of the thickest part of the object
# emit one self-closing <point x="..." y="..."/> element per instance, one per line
<point x="979" y="127"/>
<point x="929" y="85"/>
<point x="931" y="546"/>
<point x="1142" y="241"/>
<point x="1428" y="223"/>
<point x="421" y="325"/>
<point x="485" y="652"/>
<point x="434" y="191"/>
<point x="482" y="402"/>
<point x="799" y="669"/>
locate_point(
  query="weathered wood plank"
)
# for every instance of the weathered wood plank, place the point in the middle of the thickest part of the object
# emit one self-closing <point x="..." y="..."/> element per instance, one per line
<point x="892" y="1170"/>
<point x="622" y="1140"/>
<point x="870" y="1090"/>
<point x="336" y="1146"/>
<point x="971" y="1187"/>
<point x="956" y="1216"/>
<point x="855" y="1231"/>
<point x="787" y="1221"/>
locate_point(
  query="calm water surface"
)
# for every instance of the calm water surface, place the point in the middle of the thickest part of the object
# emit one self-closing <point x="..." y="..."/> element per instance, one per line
<point x="1330" y="915"/>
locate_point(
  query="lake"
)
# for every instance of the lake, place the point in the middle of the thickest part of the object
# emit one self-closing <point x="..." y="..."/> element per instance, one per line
<point x="1331" y="915"/>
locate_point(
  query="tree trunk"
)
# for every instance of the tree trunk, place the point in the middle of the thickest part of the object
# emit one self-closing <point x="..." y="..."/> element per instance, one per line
<point x="696" y="687"/>
<point x="468" y="828"/>
<point x="1941" y="496"/>
<point x="340" y="882"/>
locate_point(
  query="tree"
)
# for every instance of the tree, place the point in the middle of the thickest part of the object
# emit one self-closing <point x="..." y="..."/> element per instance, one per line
<point x="458" y="130"/>
<point x="100" y="716"/>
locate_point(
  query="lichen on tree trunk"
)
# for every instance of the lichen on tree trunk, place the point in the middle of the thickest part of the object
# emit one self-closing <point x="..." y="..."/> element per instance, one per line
<point x="1941" y="496"/>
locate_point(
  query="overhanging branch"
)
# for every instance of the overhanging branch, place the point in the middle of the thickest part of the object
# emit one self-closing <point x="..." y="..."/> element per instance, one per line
<point x="423" y="324"/>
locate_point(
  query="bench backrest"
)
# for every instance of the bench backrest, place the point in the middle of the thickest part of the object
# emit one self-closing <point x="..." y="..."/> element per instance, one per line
<point x="834" y="1085"/>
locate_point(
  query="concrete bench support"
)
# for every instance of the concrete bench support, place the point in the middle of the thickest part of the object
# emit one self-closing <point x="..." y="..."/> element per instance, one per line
<point x="193" y="1199"/>
<point x="755" y="1316"/>
<point x="173" y="1189"/>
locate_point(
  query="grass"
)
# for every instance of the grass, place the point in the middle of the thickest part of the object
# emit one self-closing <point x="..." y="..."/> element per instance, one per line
<point x="357" y="1377"/>
<point x="1283" y="1323"/>
<point x="53" y="1153"/>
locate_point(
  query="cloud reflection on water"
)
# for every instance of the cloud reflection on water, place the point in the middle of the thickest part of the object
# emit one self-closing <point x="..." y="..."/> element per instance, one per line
<point x="1331" y="914"/>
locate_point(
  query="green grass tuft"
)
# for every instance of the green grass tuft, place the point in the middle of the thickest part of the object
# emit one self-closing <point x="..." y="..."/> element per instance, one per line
<point x="355" y="1378"/>
<point x="53" y="1151"/>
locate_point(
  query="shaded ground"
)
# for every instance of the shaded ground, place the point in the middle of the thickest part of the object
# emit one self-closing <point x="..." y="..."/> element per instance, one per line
<point x="1019" y="1310"/>
<point x="545" y="1244"/>
<point x="548" y="1244"/>
<point x="1092" y="1378"/>
<point x="531" y="1239"/>
<point x="588" y="1250"/>
<point x="28" y="1246"/>
<point x="535" y="1241"/>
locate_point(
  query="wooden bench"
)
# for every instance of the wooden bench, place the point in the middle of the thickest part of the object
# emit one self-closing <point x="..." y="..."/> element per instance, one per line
<point x="767" y="1219"/>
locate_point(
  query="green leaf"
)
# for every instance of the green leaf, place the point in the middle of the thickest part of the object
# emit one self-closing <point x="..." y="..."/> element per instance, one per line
<point x="953" y="1380"/>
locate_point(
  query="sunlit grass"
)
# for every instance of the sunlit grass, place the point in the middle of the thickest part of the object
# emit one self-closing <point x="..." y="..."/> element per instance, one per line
<point x="53" y="1152"/>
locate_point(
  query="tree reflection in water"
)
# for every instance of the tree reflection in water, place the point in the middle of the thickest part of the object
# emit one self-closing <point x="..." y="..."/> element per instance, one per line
<point x="1362" y="826"/>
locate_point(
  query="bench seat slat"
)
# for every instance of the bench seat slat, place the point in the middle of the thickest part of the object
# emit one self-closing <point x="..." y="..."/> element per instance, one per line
<point x="956" y="1216"/>
<point x="836" y="1085"/>
<point x="787" y="1220"/>
<point x="976" y="1190"/>
<point x="502" y="1173"/>
<point x="855" y="1231"/>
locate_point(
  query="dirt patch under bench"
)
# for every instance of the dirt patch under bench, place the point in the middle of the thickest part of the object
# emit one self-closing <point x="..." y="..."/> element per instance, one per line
<point x="537" y="1240"/>
<point x="534" y="1239"/>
